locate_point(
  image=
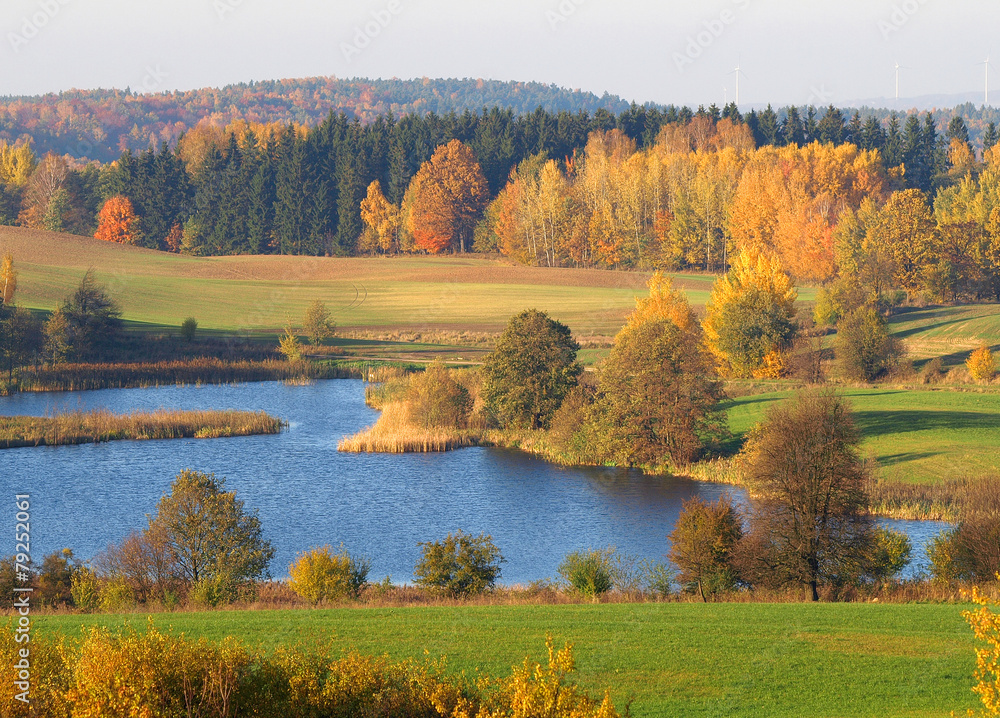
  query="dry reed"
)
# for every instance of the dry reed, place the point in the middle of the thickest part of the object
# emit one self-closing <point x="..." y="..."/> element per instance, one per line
<point x="100" y="426"/>
<point x="394" y="434"/>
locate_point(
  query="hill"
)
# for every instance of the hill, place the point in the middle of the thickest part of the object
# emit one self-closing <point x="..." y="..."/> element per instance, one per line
<point x="100" y="124"/>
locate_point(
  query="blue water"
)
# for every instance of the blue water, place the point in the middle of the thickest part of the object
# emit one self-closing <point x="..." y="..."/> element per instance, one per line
<point x="308" y="494"/>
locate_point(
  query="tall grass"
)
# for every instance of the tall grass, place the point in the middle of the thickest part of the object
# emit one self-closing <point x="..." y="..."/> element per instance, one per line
<point x="205" y="370"/>
<point x="99" y="426"/>
<point x="394" y="434"/>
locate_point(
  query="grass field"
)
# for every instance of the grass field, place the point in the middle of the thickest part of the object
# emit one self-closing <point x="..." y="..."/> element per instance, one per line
<point x="948" y="332"/>
<point x="254" y="293"/>
<point x="917" y="435"/>
<point x="756" y="660"/>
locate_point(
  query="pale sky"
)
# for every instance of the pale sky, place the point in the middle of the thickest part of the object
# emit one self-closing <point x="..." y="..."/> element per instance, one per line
<point x="668" y="52"/>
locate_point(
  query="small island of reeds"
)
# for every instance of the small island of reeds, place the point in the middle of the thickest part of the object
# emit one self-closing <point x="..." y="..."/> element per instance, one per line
<point x="102" y="425"/>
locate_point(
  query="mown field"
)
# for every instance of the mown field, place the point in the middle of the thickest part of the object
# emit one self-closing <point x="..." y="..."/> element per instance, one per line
<point x="947" y="332"/>
<point x="753" y="660"/>
<point x="261" y="293"/>
<point x="917" y="435"/>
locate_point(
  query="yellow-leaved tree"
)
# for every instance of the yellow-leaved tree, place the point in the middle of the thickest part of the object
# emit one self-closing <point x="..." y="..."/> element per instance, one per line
<point x="381" y="218"/>
<point x="749" y="325"/>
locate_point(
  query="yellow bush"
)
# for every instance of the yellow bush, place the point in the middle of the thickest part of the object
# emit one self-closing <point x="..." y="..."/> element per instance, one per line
<point x="986" y="625"/>
<point x="321" y="575"/>
<point x="982" y="366"/>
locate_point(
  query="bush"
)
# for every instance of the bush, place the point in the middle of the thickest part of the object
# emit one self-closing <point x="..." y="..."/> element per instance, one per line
<point x="188" y="327"/>
<point x="461" y="564"/>
<point x="589" y="572"/>
<point x="933" y="371"/>
<point x="982" y="365"/>
<point x="889" y="552"/>
<point x="86" y="590"/>
<point x="434" y="399"/>
<point x="321" y="575"/>
<point x="702" y="544"/>
<point x="117" y="596"/>
<point x="864" y="347"/>
<point x="317" y="323"/>
<point x="288" y="345"/>
<point x="55" y="578"/>
<point x="971" y="550"/>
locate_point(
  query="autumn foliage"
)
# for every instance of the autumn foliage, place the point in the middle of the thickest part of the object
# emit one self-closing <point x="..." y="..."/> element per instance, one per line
<point x="117" y="221"/>
<point x="447" y="196"/>
<point x="149" y="673"/>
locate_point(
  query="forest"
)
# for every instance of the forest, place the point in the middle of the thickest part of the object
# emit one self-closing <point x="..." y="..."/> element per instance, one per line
<point x="909" y="203"/>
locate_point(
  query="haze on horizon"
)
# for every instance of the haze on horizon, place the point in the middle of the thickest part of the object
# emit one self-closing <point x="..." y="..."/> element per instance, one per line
<point x="666" y="52"/>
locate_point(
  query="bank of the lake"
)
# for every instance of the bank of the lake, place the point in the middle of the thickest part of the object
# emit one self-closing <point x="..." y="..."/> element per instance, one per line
<point x="309" y="494"/>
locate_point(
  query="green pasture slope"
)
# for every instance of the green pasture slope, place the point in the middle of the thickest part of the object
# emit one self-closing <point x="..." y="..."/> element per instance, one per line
<point x="752" y="660"/>
<point x="261" y="294"/>
<point x="947" y="332"/>
<point x="917" y="435"/>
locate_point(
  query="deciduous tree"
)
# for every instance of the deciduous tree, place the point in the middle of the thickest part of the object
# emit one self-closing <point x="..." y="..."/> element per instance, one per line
<point x="117" y="222"/>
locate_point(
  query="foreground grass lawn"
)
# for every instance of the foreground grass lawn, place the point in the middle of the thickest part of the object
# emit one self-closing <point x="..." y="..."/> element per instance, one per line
<point x="757" y="660"/>
<point x="917" y="435"/>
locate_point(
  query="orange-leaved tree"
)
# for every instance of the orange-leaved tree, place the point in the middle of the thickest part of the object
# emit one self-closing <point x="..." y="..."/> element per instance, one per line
<point x="448" y="195"/>
<point x="117" y="221"/>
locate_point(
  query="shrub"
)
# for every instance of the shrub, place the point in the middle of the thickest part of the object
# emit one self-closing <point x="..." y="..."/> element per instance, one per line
<point x="86" y="590"/>
<point x="864" y="347"/>
<point x="982" y="365"/>
<point x="55" y="578"/>
<point x="288" y="345"/>
<point x="589" y="572"/>
<point x="985" y="624"/>
<point x="116" y="596"/>
<point x="702" y="544"/>
<point x="188" y="327"/>
<point x="888" y="554"/>
<point x="971" y="550"/>
<point x="321" y="575"/>
<point x="461" y="564"/>
<point x="434" y="399"/>
<point x="933" y="371"/>
<point x="317" y="323"/>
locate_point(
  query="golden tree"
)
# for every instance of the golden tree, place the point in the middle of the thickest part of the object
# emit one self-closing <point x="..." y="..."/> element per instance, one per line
<point x="982" y="365"/>
<point x="449" y="194"/>
<point x="117" y="221"/>
<point x="749" y="322"/>
<point x="381" y="218"/>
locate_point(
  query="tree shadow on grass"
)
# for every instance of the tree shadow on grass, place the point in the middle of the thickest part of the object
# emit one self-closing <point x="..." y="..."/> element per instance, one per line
<point x="906" y="456"/>
<point x="880" y="423"/>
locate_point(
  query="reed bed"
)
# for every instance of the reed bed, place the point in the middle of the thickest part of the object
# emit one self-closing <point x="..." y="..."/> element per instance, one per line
<point x="206" y="370"/>
<point x="100" y="426"/>
<point x="394" y="434"/>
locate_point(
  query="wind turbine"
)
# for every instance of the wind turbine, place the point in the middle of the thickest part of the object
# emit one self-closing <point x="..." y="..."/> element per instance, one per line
<point x="737" y="71"/>
<point x="986" y="90"/>
<point x="897" y="68"/>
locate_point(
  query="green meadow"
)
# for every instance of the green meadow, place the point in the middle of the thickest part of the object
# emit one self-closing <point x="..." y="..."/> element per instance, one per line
<point x="670" y="659"/>
<point x="916" y="435"/>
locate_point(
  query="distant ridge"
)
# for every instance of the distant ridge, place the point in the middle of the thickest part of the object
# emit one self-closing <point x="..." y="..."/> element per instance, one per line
<point x="99" y="124"/>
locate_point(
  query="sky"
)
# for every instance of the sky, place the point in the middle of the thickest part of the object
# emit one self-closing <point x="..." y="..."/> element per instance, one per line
<point x="790" y="51"/>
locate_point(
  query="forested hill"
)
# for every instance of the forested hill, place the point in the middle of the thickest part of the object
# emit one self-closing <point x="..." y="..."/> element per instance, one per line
<point x="100" y="124"/>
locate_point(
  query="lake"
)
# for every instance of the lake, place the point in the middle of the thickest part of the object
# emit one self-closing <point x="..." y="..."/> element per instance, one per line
<point x="308" y="494"/>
